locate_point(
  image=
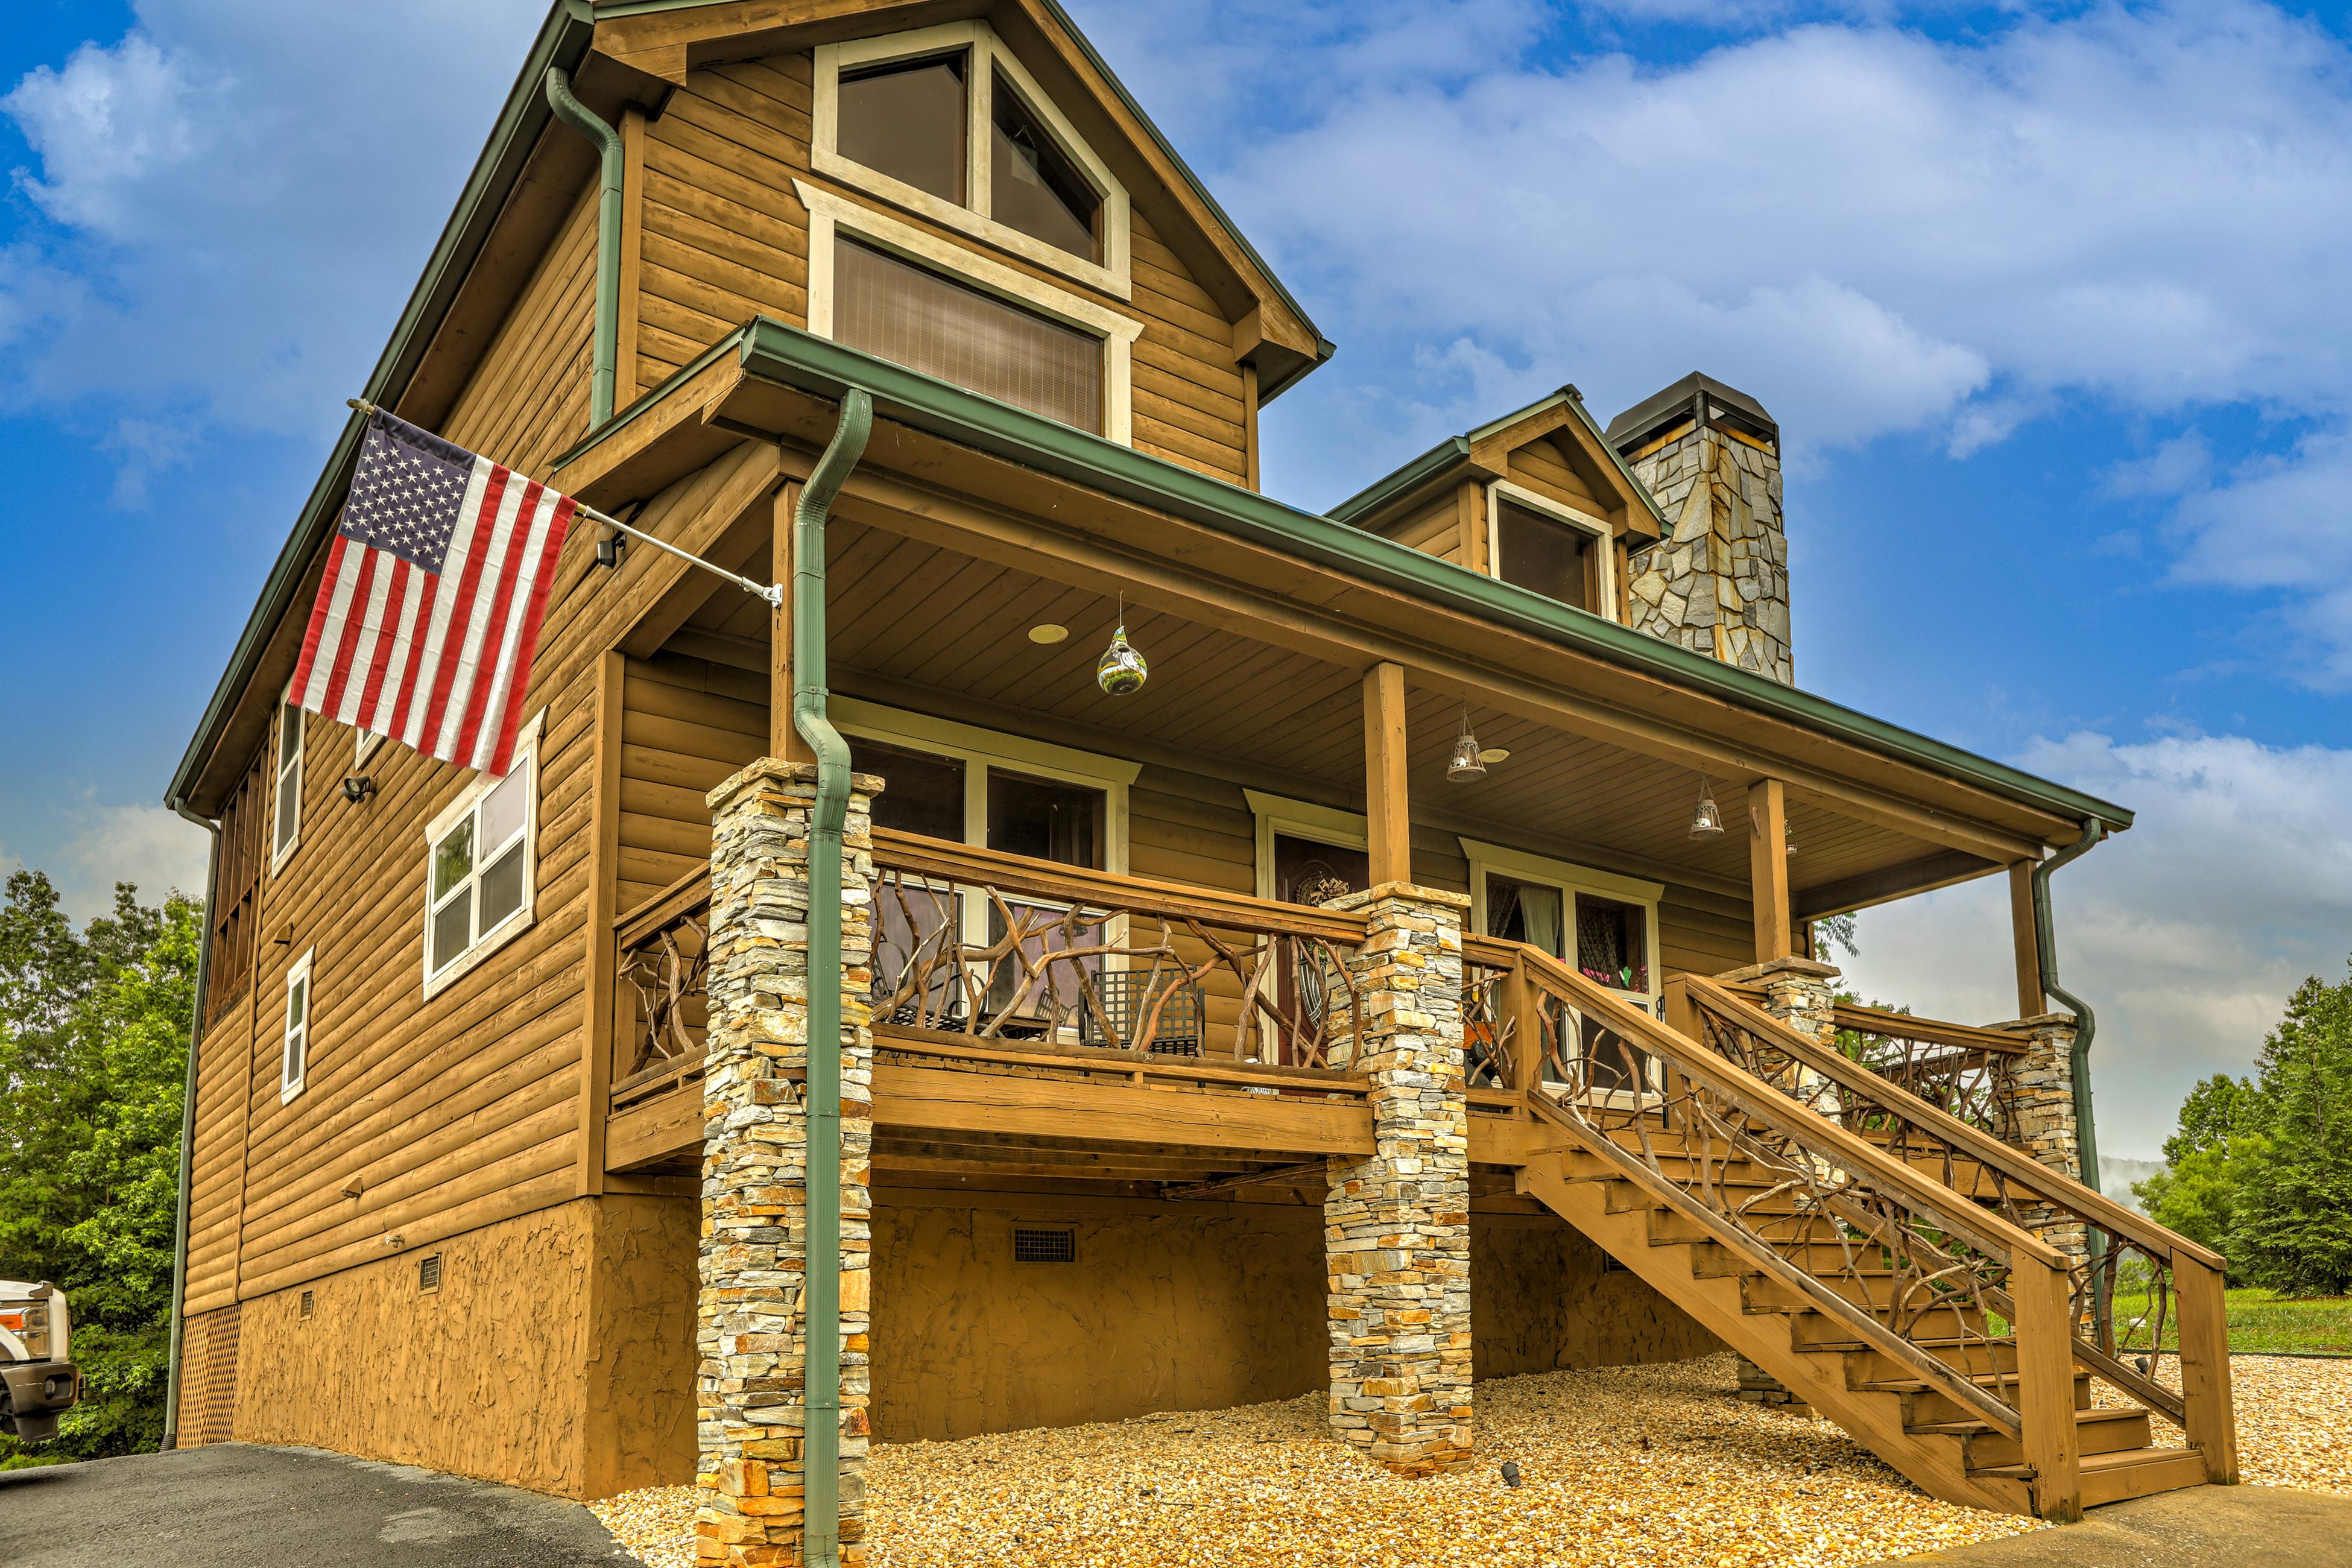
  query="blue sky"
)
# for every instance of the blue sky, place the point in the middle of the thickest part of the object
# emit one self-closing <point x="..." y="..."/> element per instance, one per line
<point x="2047" y="300"/>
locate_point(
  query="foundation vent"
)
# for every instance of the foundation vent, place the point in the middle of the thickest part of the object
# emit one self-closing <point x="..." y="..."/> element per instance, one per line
<point x="1044" y="1244"/>
<point x="428" y="1273"/>
<point x="310" y="1304"/>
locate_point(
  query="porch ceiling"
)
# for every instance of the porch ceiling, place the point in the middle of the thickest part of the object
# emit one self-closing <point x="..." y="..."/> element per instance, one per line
<point x="917" y="626"/>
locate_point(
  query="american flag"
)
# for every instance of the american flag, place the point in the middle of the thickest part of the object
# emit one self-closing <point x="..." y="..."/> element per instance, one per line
<point x="435" y="584"/>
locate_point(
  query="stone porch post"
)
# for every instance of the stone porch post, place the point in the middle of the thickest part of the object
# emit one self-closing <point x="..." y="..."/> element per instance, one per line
<point x="750" y="1420"/>
<point x="2040" y="1099"/>
<point x="1397" y="1224"/>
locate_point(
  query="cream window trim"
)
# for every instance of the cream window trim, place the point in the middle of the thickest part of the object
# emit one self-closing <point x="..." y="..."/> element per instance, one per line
<point x="831" y="214"/>
<point x="1112" y="275"/>
<point x="1300" y="819"/>
<point x="286" y="780"/>
<point x="978" y="750"/>
<point x="1500" y="490"/>
<point x="294" y="1031"/>
<point x="526" y="914"/>
<point x="1570" y="879"/>
<point x="363" y="745"/>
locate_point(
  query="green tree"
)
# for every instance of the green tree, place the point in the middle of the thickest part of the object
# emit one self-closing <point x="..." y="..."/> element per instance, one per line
<point x="2292" y="1228"/>
<point x="2215" y="1110"/>
<point x="93" y="1050"/>
<point x="2197" y="1192"/>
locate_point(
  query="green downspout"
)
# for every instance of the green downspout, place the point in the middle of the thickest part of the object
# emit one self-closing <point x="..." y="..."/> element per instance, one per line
<point x="821" y="1474"/>
<point x="575" y="114"/>
<point x="188" y="1140"/>
<point x="2086" y="1025"/>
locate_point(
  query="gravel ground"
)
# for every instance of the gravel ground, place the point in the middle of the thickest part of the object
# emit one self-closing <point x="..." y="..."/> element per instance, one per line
<point x="1627" y="1466"/>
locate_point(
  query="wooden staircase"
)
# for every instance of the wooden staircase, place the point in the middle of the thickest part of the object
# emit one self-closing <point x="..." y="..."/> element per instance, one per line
<point x="1891" y="1266"/>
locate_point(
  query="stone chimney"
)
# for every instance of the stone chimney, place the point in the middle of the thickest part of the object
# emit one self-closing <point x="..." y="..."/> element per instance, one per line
<point x="1719" y="581"/>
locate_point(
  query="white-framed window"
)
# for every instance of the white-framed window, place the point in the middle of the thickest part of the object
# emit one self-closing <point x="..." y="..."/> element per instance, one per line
<point x="294" y="1040"/>
<point x="1599" y="923"/>
<point x="1306" y="851"/>
<point x="1552" y="549"/>
<point x="481" y="865"/>
<point x="363" y="745"/>
<point x="945" y="121"/>
<point x="887" y="287"/>
<point x="285" y="827"/>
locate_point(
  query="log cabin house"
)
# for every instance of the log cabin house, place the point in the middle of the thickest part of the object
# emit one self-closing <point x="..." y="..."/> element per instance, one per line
<point x="1409" y="984"/>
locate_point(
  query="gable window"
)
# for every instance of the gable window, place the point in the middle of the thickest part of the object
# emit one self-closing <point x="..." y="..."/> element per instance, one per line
<point x="947" y="122"/>
<point x="898" y="312"/>
<point x="285" y="827"/>
<point x="481" y="866"/>
<point x="1552" y="549"/>
<point x="294" y="1041"/>
<point x="907" y="120"/>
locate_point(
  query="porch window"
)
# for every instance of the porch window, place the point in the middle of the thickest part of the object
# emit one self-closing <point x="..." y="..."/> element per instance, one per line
<point x="480" y="868"/>
<point x="286" y="829"/>
<point x="906" y="120"/>
<point x="927" y="322"/>
<point x="1554" y="558"/>
<point x="1609" y="942"/>
<point x="1598" y="922"/>
<point x="294" y="1042"/>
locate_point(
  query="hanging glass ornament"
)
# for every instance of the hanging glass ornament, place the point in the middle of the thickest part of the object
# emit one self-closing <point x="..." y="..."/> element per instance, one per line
<point x="1121" y="670"/>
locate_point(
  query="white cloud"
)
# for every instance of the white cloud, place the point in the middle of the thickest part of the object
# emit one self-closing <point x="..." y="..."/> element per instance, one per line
<point x="148" y="846"/>
<point x="1873" y="230"/>
<point x="240" y="196"/>
<point x="2186" y="934"/>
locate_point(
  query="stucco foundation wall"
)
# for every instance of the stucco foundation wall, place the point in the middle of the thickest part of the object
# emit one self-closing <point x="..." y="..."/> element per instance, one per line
<point x="1180" y="1310"/>
<point x="1540" y="1300"/>
<point x="558" y="1354"/>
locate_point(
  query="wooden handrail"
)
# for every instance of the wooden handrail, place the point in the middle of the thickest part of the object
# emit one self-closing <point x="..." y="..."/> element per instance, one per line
<point x="664" y="906"/>
<point x="948" y="862"/>
<point x="1980" y="1147"/>
<point x="1756" y="1098"/>
<point x="1935" y="1032"/>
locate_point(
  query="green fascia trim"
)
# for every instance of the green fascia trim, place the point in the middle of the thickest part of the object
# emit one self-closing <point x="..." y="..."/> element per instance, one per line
<point x="724" y="348"/>
<point x="1387" y="488"/>
<point x="563" y="41"/>
<point x="1324" y="347"/>
<point x="773" y="350"/>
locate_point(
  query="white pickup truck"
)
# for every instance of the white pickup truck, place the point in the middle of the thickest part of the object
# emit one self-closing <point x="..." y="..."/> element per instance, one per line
<point x="38" y="1379"/>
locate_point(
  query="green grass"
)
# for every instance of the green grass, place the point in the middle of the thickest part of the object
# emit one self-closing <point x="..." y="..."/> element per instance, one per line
<point x="2259" y="1321"/>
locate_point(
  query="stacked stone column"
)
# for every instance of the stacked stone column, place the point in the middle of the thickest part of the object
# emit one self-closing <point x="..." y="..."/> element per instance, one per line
<point x="751" y="1421"/>
<point x="1397" y="1224"/>
<point x="1802" y="994"/>
<point x="2039" y="1100"/>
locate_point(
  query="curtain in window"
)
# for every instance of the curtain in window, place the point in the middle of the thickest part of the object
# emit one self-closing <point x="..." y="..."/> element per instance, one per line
<point x="897" y="312"/>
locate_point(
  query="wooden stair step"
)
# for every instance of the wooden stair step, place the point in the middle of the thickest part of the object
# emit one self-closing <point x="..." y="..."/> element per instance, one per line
<point x="2108" y="1429"/>
<point x="2127" y="1473"/>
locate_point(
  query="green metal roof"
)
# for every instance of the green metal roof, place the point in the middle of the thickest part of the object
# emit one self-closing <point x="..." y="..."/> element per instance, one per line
<point x="773" y="350"/>
<point x="1454" y="449"/>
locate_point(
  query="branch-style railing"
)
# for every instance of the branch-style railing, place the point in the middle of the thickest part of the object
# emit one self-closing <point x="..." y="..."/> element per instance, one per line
<point x="1908" y="1267"/>
<point x="2110" y="1250"/>
<point x="1966" y="1072"/>
<point x="661" y="976"/>
<point x="1000" y="947"/>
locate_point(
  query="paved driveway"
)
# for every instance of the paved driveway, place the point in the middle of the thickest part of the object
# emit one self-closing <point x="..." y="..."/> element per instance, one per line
<point x="231" y="1506"/>
<point x="2203" y="1527"/>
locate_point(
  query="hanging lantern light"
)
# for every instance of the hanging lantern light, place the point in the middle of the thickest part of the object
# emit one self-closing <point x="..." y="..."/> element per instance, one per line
<point x="1706" y="822"/>
<point x="1121" y="670"/>
<point x="1787" y="841"/>
<point x="1466" y="764"/>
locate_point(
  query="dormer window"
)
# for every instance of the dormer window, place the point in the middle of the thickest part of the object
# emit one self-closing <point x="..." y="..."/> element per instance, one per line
<point x="946" y="123"/>
<point x="1537" y="544"/>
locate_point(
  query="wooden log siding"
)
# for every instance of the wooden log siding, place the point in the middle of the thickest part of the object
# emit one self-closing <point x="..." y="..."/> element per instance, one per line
<point x="236" y="886"/>
<point x="724" y="239"/>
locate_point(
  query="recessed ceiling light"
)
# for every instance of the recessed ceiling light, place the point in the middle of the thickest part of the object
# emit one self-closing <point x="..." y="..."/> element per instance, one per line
<point x="1496" y="754"/>
<point x="1048" y="633"/>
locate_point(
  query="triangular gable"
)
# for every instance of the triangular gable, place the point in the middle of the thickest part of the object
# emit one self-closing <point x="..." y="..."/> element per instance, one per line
<point x="1558" y="430"/>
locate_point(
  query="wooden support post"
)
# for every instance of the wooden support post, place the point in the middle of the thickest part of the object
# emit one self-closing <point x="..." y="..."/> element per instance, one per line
<point x="2031" y="1001"/>
<point x="1768" y="868"/>
<point x="1387" y="812"/>
<point x="784" y="742"/>
<point x="1514" y="1012"/>
<point x="2046" y="1388"/>
<point x="2205" y="1366"/>
<point x="1249" y="427"/>
<point x="602" y="977"/>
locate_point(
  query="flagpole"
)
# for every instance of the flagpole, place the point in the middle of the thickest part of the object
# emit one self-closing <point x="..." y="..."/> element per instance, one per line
<point x="769" y="593"/>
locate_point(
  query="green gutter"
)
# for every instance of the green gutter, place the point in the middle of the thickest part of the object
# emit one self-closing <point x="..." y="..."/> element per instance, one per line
<point x="1456" y="448"/>
<point x="821" y="1288"/>
<point x="772" y="351"/>
<point x="2086" y="1025"/>
<point x="188" y="1144"/>
<point x="562" y="40"/>
<point x="612" y="163"/>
